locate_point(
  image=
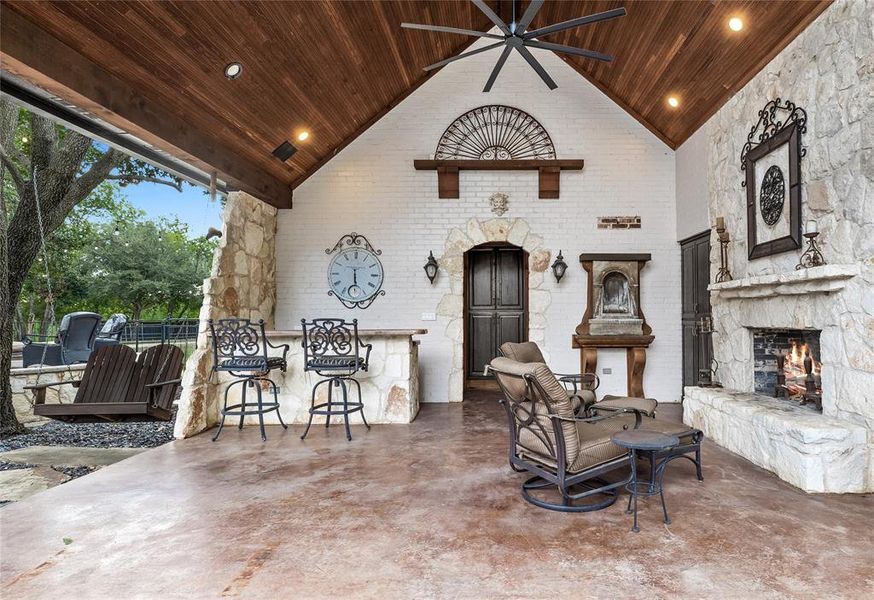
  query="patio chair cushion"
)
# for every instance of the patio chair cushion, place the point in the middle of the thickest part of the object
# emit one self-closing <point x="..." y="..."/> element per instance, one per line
<point x="524" y="352"/>
<point x="538" y="439"/>
<point x="248" y="363"/>
<point x="644" y="405"/>
<point x="335" y="362"/>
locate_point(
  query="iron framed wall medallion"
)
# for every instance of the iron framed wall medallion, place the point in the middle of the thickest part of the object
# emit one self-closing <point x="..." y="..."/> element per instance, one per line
<point x="771" y="160"/>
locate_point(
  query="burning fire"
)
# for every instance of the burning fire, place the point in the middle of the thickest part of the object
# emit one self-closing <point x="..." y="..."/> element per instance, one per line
<point x="796" y="373"/>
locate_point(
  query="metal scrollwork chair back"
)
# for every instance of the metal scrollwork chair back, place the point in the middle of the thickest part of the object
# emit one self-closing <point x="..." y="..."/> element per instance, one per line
<point x="332" y="347"/>
<point x="242" y="347"/>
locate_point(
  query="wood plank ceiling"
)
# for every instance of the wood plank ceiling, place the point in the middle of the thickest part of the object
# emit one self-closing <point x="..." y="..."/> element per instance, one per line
<point x="334" y="68"/>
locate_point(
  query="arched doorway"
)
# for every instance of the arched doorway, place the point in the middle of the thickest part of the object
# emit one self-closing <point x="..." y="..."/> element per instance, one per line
<point x="495" y="306"/>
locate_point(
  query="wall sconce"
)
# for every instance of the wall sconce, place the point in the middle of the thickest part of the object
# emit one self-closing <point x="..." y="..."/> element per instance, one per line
<point x="559" y="267"/>
<point x="431" y="267"/>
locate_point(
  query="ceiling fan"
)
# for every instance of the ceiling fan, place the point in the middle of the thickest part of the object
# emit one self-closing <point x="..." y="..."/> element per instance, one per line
<point x="516" y="36"/>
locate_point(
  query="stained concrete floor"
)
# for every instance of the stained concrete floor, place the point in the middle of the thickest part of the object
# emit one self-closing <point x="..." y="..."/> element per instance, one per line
<point x="429" y="510"/>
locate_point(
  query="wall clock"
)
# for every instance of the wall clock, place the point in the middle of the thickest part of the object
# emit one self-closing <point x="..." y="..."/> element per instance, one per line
<point x="355" y="274"/>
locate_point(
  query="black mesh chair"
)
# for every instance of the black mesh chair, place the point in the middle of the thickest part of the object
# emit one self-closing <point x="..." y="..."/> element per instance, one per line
<point x="240" y="348"/>
<point x="73" y="344"/>
<point x="332" y="349"/>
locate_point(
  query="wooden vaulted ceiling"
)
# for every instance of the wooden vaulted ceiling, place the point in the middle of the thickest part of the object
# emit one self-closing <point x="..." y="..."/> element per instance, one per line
<point x="333" y="68"/>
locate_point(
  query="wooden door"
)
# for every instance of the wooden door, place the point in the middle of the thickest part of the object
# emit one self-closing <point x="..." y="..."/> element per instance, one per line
<point x="697" y="348"/>
<point x="496" y="289"/>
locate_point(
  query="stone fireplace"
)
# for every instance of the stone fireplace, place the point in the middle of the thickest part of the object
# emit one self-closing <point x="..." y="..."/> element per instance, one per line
<point x="785" y="361"/>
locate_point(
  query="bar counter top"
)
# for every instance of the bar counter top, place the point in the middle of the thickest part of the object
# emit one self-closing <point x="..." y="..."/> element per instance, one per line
<point x="361" y="332"/>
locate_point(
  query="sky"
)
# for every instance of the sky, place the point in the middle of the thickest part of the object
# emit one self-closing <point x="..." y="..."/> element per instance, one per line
<point x="192" y="205"/>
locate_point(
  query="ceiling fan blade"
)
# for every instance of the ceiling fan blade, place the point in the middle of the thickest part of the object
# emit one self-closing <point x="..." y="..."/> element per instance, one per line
<point x="480" y="4"/>
<point x="465" y="55"/>
<point x="569" y="50"/>
<point x="526" y="54"/>
<point x="529" y="15"/>
<point x="442" y="29"/>
<point x="601" y="16"/>
<point x="497" y="69"/>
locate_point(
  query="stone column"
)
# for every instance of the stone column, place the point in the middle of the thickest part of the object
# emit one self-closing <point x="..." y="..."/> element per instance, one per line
<point x="242" y="283"/>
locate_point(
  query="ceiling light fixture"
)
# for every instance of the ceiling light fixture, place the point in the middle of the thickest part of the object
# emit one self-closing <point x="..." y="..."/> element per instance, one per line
<point x="735" y="24"/>
<point x="303" y="136"/>
<point x="233" y="70"/>
<point x="672" y="100"/>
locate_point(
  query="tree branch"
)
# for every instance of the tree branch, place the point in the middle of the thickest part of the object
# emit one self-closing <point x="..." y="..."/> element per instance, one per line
<point x="128" y="179"/>
<point x="17" y="179"/>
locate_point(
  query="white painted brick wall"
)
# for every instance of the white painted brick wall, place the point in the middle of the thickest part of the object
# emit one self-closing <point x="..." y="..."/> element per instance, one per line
<point x="371" y="187"/>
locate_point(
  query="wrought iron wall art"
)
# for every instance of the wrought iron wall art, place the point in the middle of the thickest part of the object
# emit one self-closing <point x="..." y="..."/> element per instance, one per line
<point x="775" y="140"/>
<point x="495" y="132"/>
<point x="355" y="273"/>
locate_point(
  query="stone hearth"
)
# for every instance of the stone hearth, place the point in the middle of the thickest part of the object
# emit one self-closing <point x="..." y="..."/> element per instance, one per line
<point x="814" y="452"/>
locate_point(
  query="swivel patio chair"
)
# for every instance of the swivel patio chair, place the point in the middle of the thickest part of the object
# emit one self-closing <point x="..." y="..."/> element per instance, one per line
<point x="241" y="349"/>
<point x="562" y="450"/>
<point x="581" y="386"/>
<point x="332" y="349"/>
<point x="73" y="343"/>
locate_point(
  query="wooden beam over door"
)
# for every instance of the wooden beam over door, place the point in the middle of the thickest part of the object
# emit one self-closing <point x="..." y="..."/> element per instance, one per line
<point x="28" y="52"/>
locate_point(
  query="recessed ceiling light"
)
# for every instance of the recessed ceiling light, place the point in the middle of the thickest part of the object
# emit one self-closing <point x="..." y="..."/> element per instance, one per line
<point x="303" y="136"/>
<point x="735" y="24"/>
<point x="233" y="70"/>
<point x="672" y="100"/>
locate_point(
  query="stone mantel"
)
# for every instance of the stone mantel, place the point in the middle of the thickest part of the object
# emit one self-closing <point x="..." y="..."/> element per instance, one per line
<point x="815" y="280"/>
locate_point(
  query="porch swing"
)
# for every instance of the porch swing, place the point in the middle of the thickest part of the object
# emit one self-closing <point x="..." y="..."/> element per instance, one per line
<point x="116" y="385"/>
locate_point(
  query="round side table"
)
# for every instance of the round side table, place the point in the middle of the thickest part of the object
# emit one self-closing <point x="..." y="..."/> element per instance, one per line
<point x="642" y="440"/>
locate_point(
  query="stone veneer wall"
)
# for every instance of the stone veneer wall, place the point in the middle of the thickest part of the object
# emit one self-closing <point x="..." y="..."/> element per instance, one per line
<point x="241" y="284"/>
<point x="829" y="71"/>
<point x="513" y="231"/>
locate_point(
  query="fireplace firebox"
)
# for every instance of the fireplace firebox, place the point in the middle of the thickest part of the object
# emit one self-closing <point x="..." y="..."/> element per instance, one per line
<point x="787" y="364"/>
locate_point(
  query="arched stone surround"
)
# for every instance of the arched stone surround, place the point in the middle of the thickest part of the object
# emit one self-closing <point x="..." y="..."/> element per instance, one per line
<point x="513" y="231"/>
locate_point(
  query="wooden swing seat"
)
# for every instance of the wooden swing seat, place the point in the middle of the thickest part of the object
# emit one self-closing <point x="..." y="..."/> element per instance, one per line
<point x="118" y="385"/>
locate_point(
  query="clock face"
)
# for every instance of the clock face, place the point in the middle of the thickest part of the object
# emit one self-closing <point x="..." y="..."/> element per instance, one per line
<point x="355" y="274"/>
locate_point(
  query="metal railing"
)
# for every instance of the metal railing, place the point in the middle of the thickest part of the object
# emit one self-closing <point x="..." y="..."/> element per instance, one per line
<point x="135" y="332"/>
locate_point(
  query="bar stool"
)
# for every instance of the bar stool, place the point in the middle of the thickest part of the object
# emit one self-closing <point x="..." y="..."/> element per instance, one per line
<point x="332" y="349"/>
<point x="239" y="348"/>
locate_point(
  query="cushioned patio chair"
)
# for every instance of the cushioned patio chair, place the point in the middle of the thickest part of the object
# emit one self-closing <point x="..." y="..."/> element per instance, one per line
<point x="562" y="450"/>
<point x="111" y="331"/>
<point x="73" y="344"/>
<point x="582" y="385"/>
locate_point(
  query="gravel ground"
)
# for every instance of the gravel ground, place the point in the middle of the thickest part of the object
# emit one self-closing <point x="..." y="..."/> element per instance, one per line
<point x="92" y="435"/>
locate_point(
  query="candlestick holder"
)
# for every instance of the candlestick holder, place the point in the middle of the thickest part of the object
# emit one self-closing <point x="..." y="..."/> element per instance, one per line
<point x="812" y="257"/>
<point x="723" y="274"/>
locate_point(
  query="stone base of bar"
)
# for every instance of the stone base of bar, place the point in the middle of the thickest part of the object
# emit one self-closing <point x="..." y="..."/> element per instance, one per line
<point x="389" y="388"/>
<point x="812" y="451"/>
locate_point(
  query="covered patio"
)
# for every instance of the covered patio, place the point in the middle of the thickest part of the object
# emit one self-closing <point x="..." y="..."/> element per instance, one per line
<point x="633" y="225"/>
<point x="425" y="510"/>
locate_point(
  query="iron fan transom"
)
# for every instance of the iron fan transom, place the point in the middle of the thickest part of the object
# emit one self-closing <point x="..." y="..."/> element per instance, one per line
<point x="495" y="132"/>
<point x="517" y="36"/>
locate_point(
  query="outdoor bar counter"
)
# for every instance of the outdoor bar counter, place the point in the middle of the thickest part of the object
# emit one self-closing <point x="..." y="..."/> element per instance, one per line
<point x="389" y="388"/>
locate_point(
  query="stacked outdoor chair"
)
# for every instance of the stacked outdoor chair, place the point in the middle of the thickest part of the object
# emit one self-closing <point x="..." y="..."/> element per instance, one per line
<point x="567" y="448"/>
<point x="73" y="344"/>
<point x="111" y="331"/>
